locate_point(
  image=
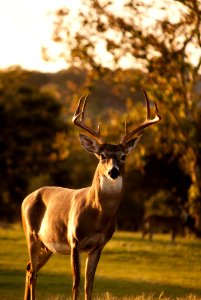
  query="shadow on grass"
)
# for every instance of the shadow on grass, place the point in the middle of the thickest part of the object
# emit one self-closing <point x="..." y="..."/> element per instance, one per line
<point x="51" y="284"/>
<point x="12" y="284"/>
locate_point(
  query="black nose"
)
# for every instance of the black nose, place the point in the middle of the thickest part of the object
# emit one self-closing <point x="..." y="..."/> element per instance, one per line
<point x="114" y="173"/>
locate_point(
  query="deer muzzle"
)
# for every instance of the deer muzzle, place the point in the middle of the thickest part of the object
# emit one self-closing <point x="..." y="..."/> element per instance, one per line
<point x="114" y="173"/>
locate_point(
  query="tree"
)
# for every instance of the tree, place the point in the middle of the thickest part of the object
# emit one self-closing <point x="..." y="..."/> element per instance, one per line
<point x="31" y="126"/>
<point x="167" y="48"/>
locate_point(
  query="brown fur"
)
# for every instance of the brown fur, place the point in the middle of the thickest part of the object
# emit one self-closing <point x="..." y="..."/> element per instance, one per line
<point x="68" y="221"/>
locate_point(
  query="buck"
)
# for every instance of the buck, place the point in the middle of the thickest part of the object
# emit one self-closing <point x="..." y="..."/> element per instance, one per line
<point x="67" y="221"/>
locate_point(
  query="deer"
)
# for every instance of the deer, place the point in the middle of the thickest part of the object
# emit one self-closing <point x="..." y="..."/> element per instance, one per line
<point x="163" y="223"/>
<point x="160" y="223"/>
<point x="72" y="221"/>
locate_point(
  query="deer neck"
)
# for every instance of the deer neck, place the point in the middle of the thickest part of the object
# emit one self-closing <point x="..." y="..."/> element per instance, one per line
<point x="107" y="193"/>
<point x="109" y="187"/>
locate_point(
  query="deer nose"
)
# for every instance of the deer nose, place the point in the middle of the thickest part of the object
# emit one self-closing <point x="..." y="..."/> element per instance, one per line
<point x="114" y="173"/>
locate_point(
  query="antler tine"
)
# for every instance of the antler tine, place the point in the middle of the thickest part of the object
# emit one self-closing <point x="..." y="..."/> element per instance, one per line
<point x="128" y="134"/>
<point x="84" y="107"/>
<point x="126" y="128"/>
<point x="147" y="104"/>
<point x="78" y="111"/>
<point x="98" y="131"/>
<point x="79" y="119"/>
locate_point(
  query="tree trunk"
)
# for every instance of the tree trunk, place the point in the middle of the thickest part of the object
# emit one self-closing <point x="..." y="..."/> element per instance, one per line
<point x="197" y="200"/>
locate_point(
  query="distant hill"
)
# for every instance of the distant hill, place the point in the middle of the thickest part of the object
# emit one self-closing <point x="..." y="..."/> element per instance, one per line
<point x="106" y="95"/>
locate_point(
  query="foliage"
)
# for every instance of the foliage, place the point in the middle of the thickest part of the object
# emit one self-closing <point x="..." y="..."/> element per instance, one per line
<point x="40" y="146"/>
<point x="166" y="47"/>
<point x="30" y="127"/>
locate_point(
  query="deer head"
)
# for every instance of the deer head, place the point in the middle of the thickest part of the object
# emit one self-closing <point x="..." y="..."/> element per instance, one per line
<point x="112" y="157"/>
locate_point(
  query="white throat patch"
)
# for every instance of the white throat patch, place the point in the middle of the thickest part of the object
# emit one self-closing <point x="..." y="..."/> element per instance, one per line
<point x="110" y="186"/>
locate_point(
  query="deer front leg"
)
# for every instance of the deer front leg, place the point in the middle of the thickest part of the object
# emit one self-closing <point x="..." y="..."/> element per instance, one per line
<point x="90" y="269"/>
<point x="75" y="264"/>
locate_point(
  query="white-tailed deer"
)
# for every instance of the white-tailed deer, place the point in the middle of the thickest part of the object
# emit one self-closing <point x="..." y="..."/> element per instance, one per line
<point x="160" y="223"/>
<point x="68" y="221"/>
<point x="173" y="224"/>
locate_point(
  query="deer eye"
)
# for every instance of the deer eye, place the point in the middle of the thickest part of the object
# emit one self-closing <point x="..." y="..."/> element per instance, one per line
<point x="123" y="157"/>
<point x="103" y="156"/>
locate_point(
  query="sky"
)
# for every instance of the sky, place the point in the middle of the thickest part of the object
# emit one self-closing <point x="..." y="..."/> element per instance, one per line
<point x="26" y="26"/>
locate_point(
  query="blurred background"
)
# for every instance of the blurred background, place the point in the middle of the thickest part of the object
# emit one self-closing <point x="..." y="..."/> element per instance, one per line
<point x="53" y="53"/>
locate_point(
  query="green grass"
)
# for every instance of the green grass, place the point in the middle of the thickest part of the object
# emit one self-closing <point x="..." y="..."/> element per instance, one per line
<point x="130" y="268"/>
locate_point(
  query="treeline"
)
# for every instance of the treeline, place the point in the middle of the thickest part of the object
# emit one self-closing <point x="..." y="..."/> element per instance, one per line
<point x="40" y="146"/>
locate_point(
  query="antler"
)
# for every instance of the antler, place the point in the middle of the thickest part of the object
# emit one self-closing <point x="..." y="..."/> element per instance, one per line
<point x="147" y="122"/>
<point x="78" y="119"/>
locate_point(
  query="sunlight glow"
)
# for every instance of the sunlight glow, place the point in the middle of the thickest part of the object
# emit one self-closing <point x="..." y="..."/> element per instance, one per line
<point x="25" y="26"/>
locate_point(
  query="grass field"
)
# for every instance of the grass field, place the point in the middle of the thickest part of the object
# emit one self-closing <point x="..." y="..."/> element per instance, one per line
<point x="130" y="268"/>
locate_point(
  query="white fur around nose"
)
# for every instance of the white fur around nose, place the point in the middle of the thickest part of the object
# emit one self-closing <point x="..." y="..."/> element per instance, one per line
<point x="109" y="185"/>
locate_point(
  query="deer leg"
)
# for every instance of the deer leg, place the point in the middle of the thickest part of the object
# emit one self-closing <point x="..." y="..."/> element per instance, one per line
<point x="144" y="232"/>
<point x="27" y="285"/>
<point x="30" y="283"/>
<point x="173" y="235"/>
<point x="75" y="264"/>
<point x="90" y="269"/>
<point x="43" y="258"/>
<point x="34" y="257"/>
<point x="31" y="273"/>
<point x="151" y="232"/>
<point x="39" y="255"/>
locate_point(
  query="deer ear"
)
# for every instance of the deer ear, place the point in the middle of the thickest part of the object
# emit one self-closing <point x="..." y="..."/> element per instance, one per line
<point x="130" y="145"/>
<point x="89" y="144"/>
